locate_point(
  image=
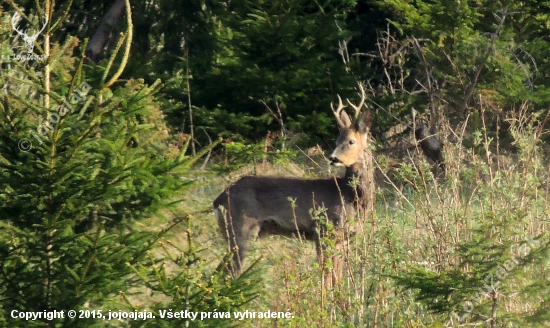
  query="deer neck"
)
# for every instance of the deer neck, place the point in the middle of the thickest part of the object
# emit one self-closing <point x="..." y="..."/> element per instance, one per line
<point x="360" y="177"/>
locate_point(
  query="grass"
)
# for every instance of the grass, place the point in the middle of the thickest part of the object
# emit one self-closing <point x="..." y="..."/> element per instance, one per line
<point x="427" y="233"/>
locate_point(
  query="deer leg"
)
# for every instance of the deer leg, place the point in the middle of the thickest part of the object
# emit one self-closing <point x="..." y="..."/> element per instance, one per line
<point x="327" y="279"/>
<point x="337" y="260"/>
<point x="227" y="227"/>
<point x="237" y="229"/>
<point x="242" y="234"/>
<point x="332" y="275"/>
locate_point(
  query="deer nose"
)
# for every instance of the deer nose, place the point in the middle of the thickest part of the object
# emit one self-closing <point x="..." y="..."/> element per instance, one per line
<point x="334" y="160"/>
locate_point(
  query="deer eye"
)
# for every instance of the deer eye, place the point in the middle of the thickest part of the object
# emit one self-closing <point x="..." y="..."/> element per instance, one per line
<point x="352" y="142"/>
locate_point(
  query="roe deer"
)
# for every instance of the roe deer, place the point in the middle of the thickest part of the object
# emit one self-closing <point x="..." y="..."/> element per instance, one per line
<point x="282" y="205"/>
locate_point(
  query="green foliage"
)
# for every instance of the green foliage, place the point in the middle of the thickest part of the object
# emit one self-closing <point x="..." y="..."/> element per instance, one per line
<point x="224" y="62"/>
<point x="285" y="53"/>
<point x="235" y="61"/>
<point x="485" y="48"/>
<point x="237" y="155"/>
<point x="240" y="69"/>
<point x="199" y="286"/>
<point x="79" y="166"/>
<point x="69" y="203"/>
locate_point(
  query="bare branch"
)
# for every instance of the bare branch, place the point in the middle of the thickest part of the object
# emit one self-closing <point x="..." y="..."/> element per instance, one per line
<point x="428" y="87"/>
<point x="209" y="152"/>
<point x="101" y="36"/>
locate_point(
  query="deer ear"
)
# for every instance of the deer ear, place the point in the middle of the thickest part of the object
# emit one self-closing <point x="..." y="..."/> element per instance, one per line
<point x="365" y="122"/>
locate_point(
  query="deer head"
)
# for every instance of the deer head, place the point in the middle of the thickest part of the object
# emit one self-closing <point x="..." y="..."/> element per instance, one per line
<point x="28" y="39"/>
<point x="353" y="139"/>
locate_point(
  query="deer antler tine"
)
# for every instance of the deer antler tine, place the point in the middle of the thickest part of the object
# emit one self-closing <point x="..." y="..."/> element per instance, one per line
<point x="44" y="26"/>
<point x="16" y="16"/>
<point x="363" y="94"/>
<point x="14" y="20"/>
<point x="338" y="110"/>
<point x="340" y="104"/>
<point x="357" y="108"/>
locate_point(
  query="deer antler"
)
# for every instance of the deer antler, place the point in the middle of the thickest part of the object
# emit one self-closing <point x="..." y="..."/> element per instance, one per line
<point x="341" y="116"/>
<point x="357" y="108"/>
<point x="14" y="20"/>
<point x="43" y="27"/>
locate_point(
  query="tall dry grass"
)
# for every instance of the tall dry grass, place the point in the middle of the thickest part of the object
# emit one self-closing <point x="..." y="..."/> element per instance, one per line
<point x="421" y="222"/>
